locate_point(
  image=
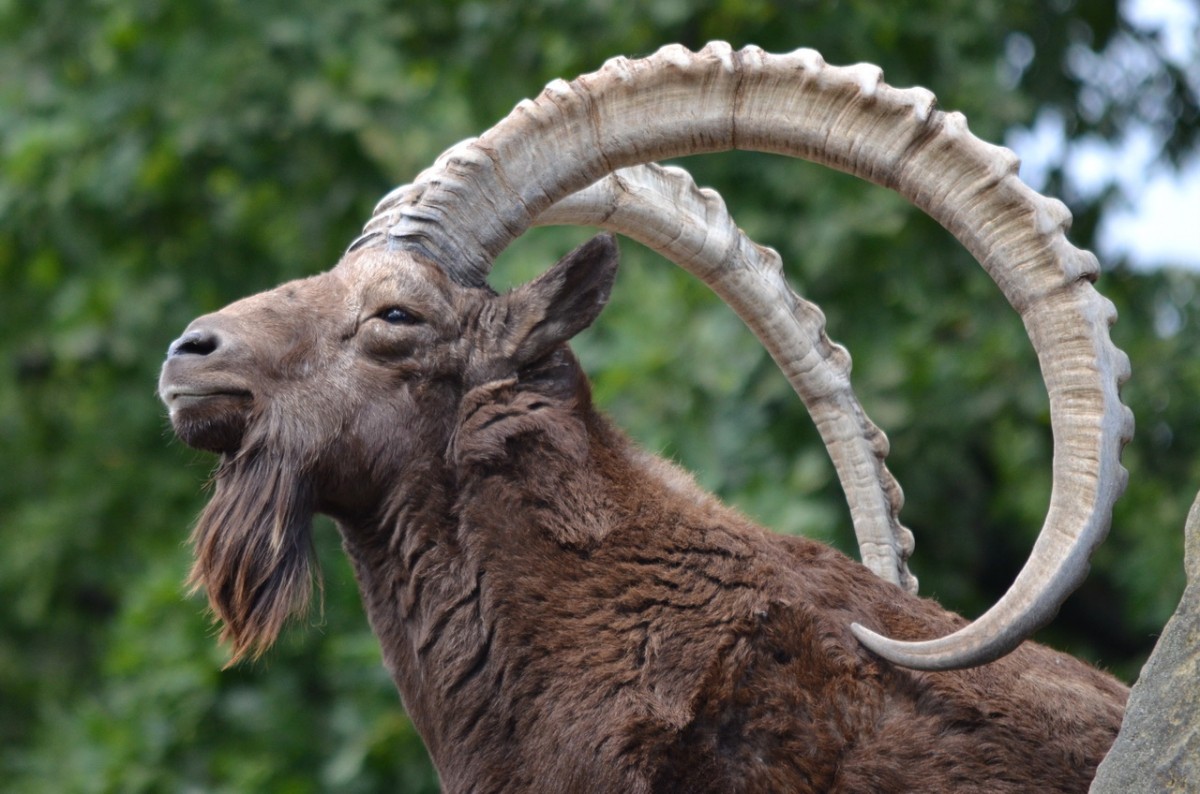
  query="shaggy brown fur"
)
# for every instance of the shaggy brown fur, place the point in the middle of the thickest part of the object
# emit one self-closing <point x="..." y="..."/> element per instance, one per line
<point x="561" y="611"/>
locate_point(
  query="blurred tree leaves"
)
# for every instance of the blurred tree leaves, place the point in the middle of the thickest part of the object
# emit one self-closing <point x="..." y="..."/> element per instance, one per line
<point x="158" y="160"/>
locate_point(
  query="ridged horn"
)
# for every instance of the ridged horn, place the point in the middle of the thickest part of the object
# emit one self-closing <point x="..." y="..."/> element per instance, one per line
<point x="483" y="193"/>
<point x="663" y="209"/>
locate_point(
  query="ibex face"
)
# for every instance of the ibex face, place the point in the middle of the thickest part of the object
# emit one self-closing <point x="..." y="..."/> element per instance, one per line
<point x="332" y="364"/>
<point x="322" y="364"/>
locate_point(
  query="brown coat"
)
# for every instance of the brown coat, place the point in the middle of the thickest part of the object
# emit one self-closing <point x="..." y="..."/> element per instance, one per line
<point x="560" y="610"/>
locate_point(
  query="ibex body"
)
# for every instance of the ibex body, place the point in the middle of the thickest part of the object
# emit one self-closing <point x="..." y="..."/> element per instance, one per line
<point x="560" y="610"/>
<point x="564" y="612"/>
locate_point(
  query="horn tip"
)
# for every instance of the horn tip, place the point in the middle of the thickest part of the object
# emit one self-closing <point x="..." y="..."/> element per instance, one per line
<point x="934" y="655"/>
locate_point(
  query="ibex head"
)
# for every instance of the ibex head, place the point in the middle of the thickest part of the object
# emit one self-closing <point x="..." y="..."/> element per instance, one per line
<point x="405" y="323"/>
<point x="397" y="345"/>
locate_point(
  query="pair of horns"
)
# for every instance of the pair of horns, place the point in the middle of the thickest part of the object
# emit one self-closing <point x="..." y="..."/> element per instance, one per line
<point x="483" y="193"/>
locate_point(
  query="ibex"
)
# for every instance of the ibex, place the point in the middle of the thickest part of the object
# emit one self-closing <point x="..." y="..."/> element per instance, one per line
<point x="562" y="611"/>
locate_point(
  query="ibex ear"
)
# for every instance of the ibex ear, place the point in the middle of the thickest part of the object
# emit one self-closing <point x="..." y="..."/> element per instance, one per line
<point x="561" y="302"/>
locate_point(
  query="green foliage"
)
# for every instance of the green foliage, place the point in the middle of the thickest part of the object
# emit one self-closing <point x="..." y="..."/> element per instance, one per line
<point x="160" y="159"/>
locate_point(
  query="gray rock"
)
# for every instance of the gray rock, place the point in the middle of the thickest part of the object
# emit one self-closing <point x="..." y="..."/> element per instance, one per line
<point x="1158" y="749"/>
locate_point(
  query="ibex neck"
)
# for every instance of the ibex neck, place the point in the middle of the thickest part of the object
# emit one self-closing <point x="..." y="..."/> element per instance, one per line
<point x="410" y="568"/>
<point x="462" y="592"/>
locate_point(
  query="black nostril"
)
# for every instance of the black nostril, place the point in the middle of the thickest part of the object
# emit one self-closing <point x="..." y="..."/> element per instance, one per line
<point x="197" y="342"/>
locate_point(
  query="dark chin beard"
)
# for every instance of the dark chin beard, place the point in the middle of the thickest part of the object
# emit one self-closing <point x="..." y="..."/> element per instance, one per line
<point x="218" y="424"/>
<point x="253" y="548"/>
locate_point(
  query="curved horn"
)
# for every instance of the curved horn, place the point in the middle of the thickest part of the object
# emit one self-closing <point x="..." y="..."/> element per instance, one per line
<point x="483" y="193"/>
<point x="663" y="209"/>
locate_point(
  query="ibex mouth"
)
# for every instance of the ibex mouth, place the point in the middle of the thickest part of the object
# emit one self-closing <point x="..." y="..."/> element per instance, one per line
<point x="212" y="419"/>
<point x="178" y="398"/>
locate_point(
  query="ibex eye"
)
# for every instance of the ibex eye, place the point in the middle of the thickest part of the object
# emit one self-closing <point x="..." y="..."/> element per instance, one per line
<point x="397" y="316"/>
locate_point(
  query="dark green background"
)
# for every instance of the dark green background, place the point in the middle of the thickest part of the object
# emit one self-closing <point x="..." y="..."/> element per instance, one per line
<point x="159" y="159"/>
